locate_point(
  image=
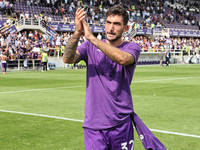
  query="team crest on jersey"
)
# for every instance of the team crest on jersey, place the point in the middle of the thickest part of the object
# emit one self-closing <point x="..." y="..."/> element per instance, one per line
<point x="98" y="50"/>
<point x="141" y="137"/>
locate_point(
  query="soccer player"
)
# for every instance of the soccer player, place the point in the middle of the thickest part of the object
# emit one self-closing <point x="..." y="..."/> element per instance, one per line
<point x="110" y="67"/>
<point x="3" y="62"/>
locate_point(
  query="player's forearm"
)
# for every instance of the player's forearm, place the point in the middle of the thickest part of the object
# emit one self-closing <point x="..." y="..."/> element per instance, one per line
<point x="112" y="52"/>
<point x="70" y="49"/>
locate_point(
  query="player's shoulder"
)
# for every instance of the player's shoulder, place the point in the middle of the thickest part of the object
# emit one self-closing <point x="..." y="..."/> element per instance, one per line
<point x="89" y="44"/>
<point x="86" y="43"/>
<point x="132" y="45"/>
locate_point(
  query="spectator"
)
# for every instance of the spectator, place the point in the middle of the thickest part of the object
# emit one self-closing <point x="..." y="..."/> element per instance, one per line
<point x="6" y="25"/>
<point x="8" y="21"/>
<point x="186" y="22"/>
<point x="28" y="3"/>
<point x="17" y="15"/>
<point x="72" y="21"/>
<point x="158" y="25"/>
<point x="3" y="8"/>
<point x="31" y="3"/>
<point x="12" y="11"/>
<point x="22" y="16"/>
<point x="4" y="59"/>
<point x="26" y="15"/>
<point x="99" y="36"/>
<point x="70" y="10"/>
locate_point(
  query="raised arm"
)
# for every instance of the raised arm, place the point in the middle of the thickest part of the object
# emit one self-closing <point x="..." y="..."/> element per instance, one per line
<point x="114" y="53"/>
<point x="71" y="55"/>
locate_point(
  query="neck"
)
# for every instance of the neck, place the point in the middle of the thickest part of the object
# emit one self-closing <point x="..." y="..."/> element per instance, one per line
<point x="115" y="43"/>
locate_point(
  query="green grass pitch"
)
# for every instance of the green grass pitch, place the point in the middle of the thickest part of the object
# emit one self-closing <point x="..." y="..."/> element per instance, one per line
<point x="165" y="98"/>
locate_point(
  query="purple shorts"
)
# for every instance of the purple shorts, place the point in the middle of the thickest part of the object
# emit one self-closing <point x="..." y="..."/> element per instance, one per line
<point x="3" y="65"/>
<point x="116" y="138"/>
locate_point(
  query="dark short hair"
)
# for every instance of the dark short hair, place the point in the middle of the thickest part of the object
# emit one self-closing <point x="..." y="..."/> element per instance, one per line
<point x="118" y="10"/>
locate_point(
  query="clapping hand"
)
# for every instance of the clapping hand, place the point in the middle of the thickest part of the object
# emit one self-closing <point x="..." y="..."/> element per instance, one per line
<point x="79" y="16"/>
<point x="87" y="31"/>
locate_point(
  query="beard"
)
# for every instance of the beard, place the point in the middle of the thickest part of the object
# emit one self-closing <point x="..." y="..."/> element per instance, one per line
<point x="118" y="36"/>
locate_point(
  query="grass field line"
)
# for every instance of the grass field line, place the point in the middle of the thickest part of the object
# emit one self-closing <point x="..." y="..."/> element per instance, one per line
<point x="164" y="79"/>
<point x="33" y="90"/>
<point x="76" y="120"/>
<point x="40" y="115"/>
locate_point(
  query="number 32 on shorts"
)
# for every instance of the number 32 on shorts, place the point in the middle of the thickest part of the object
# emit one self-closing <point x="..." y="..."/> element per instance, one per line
<point x="124" y="145"/>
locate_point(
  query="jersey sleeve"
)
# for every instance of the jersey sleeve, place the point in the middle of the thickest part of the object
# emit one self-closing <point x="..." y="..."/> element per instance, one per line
<point x="134" y="49"/>
<point x="83" y="50"/>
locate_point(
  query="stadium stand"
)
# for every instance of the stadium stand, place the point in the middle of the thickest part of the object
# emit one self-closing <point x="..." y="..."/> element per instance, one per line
<point x="157" y="26"/>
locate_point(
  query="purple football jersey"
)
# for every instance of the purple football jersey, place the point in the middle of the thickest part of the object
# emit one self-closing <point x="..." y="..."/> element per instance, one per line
<point x="108" y="96"/>
<point x="147" y="138"/>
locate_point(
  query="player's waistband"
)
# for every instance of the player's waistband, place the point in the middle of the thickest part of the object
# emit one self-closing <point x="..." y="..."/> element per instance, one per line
<point x="3" y="61"/>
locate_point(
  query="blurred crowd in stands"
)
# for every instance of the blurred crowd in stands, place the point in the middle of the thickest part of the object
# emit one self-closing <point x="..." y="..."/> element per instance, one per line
<point x="182" y="16"/>
<point x="162" y="43"/>
<point x="142" y="13"/>
<point x="96" y="10"/>
<point x="21" y="45"/>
